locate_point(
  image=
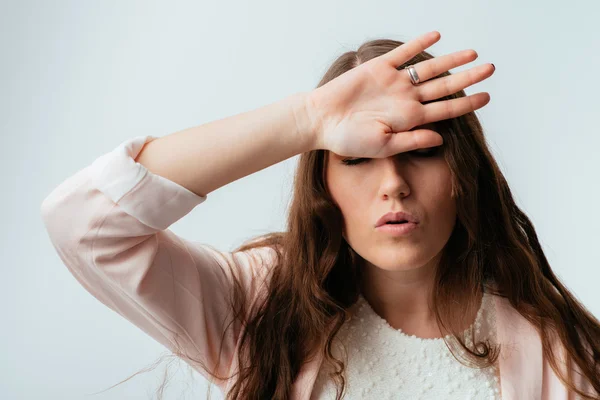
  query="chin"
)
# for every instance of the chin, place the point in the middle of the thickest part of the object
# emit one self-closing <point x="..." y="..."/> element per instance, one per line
<point x="400" y="263"/>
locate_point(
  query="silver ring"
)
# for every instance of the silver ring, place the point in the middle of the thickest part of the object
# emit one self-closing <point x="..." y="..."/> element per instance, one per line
<point x="412" y="74"/>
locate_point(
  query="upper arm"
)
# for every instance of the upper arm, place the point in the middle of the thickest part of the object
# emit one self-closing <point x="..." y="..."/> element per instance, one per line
<point x="109" y="224"/>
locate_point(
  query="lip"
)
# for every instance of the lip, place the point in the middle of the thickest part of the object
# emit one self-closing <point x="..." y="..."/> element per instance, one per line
<point x="396" y="216"/>
<point x="398" y="230"/>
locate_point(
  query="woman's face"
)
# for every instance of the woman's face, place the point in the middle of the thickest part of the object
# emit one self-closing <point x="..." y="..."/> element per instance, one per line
<point x="419" y="185"/>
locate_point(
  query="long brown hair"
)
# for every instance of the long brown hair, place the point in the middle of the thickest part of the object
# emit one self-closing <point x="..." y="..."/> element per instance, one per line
<point x="315" y="274"/>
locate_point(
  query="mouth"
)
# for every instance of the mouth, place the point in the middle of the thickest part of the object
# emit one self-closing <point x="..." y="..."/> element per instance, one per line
<point x="398" y="228"/>
<point x="398" y="217"/>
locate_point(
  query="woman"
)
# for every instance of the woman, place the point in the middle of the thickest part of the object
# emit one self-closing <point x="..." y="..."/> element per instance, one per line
<point x="452" y="295"/>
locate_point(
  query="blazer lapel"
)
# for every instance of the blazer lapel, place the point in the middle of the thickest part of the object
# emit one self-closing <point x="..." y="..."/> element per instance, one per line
<point x="521" y="356"/>
<point x="303" y="386"/>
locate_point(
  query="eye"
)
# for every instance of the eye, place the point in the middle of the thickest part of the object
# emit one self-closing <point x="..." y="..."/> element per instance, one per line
<point x="428" y="152"/>
<point x="354" y="161"/>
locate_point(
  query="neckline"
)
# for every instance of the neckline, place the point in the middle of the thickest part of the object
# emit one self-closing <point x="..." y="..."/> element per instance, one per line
<point x="400" y="333"/>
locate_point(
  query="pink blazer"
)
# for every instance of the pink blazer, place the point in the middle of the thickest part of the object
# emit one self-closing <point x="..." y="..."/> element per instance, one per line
<point x="109" y="225"/>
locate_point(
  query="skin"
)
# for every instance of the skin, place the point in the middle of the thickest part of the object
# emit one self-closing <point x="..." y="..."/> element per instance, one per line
<point x="399" y="270"/>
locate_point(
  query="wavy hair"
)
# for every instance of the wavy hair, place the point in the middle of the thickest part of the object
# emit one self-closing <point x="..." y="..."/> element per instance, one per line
<point x="315" y="275"/>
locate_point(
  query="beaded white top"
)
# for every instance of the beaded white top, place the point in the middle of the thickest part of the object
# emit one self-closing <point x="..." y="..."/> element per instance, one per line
<point x="386" y="363"/>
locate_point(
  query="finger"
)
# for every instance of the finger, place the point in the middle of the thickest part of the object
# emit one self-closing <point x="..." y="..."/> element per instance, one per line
<point x="408" y="50"/>
<point x="453" y="108"/>
<point x="413" y="140"/>
<point x="451" y="84"/>
<point x="436" y="66"/>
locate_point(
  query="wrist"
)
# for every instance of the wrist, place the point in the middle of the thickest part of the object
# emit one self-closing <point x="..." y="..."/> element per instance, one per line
<point x="308" y="126"/>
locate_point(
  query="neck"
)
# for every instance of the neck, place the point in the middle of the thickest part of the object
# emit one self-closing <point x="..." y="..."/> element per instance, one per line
<point x="404" y="299"/>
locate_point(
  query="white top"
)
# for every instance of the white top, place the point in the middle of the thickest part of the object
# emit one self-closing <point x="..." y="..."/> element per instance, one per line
<point x="386" y="363"/>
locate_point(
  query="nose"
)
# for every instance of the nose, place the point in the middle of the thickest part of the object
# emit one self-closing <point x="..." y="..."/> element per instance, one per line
<point x="393" y="178"/>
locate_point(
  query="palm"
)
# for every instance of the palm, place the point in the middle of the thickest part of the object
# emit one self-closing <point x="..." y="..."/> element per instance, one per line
<point x="370" y="110"/>
<point x="369" y="100"/>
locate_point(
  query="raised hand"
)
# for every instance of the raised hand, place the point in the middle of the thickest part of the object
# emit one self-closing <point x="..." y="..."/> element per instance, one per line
<point x="369" y="110"/>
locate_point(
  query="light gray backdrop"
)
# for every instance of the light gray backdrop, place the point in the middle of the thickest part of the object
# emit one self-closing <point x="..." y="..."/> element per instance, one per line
<point x="79" y="77"/>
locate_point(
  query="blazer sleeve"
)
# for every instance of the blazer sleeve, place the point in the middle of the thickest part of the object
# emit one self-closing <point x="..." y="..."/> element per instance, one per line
<point x="109" y="225"/>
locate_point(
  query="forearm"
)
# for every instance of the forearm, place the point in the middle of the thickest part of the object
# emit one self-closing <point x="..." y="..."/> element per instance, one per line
<point x="207" y="157"/>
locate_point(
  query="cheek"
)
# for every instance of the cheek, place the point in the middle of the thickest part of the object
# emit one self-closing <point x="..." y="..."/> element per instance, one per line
<point x="438" y="195"/>
<point x="342" y="196"/>
<point x="344" y="193"/>
<point x="442" y="207"/>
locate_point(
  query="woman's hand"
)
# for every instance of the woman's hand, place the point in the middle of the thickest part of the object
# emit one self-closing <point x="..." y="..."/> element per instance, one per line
<point x="369" y="110"/>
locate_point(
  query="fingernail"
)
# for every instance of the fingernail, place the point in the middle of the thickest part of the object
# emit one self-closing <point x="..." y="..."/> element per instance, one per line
<point x="494" y="67"/>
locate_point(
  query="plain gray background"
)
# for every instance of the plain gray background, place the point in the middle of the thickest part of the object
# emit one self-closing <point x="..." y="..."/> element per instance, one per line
<point x="79" y="77"/>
